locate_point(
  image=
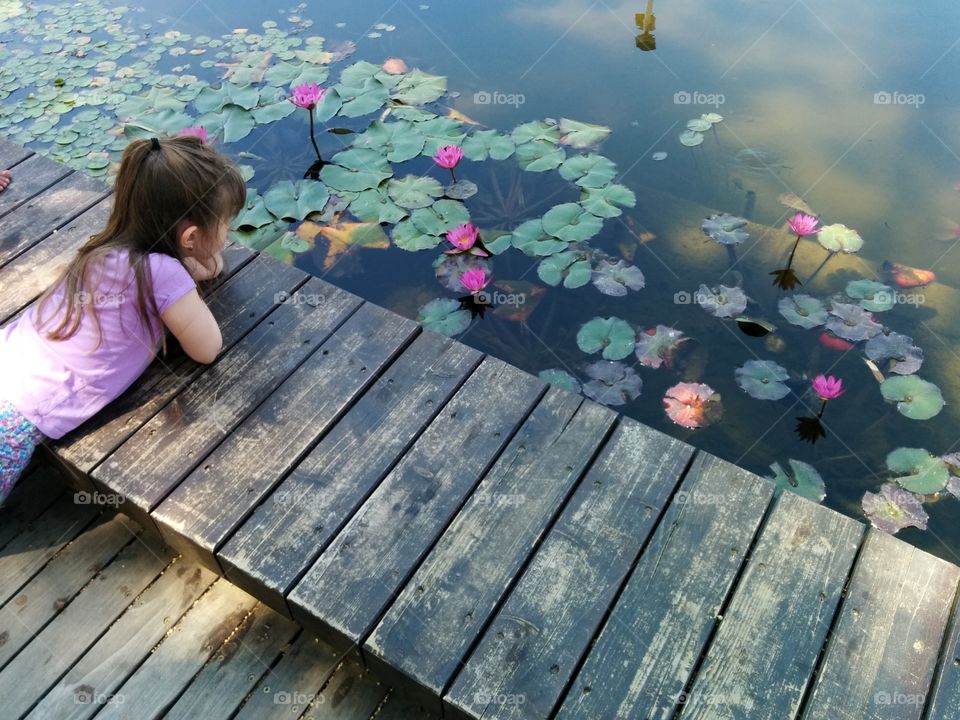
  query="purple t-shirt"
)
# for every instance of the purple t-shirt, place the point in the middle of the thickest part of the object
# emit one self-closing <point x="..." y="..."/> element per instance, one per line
<point x="58" y="385"/>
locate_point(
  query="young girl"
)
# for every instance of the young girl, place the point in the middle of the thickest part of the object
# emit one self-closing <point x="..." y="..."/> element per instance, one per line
<point x="96" y="328"/>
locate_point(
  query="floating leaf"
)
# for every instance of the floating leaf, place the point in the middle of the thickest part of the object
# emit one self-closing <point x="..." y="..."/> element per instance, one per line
<point x="893" y="509"/>
<point x="581" y="135"/>
<point x="531" y="239"/>
<point x="414" y="191"/>
<point x="487" y="143"/>
<point x="915" y="398"/>
<point x="606" y="202"/>
<point x="419" y="88"/>
<point x="444" y="316"/>
<point x="461" y="190"/>
<point x="539" y="156"/>
<point x="699" y="125"/>
<point x="399" y="141"/>
<point x="356" y="170"/>
<point x="763" y="379"/>
<point x="922" y="472"/>
<point x="803" y="310"/>
<point x="294" y="202"/>
<point x="900" y="348"/>
<point x="407" y="236"/>
<point x="569" y="266"/>
<point x="613" y="336"/>
<point x="692" y="405"/>
<point x="588" y="171"/>
<point x="254" y="213"/>
<point x="614" y="277"/>
<point x="611" y="383"/>
<point x="725" y="229"/>
<point x="561" y="379"/>
<point x="873" y="296"/>
<point x="438" y="132"/>
<point x="211" y="100"/>
<point x="805" y="480"/>
<point x="376" y="206"/>
<point x="536" y="130"/>
<point x="852" y="322"/>
<point x="571" y="222"/>
<point x="656" y="346"/>
<point x="839" y="238"/>
<point x="442" y="216"/>
<point x="712" y="118"/>
<point x="722" y="301"/>
<point x="691" y="138"/>
<point x="754" y="327"/>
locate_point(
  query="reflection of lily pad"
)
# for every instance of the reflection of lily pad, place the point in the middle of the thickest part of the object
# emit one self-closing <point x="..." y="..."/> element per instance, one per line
<point x="613" y="336"/>
<point x="606" y="202"/>
<point x="915" y="398"/>
<point x="580" y="134"/>
<point x="656" y="346"/>
<point x="569" y="266"/>
<point x="414" y="191"/>
<point x="611" y="383"/>
<point x="613" y="278"/>
<point x="873" y="296"/>
<point x="894" y="346"/>
<point x="571" y="222"/>
<point x="725" y="229"/>
<point x="722" y="301"/>
<point x="805" y="480"/>
<point x="922" y="472"/>
<point x="893" y="509"/>
<point x="852" y="322"/>
<point x="839" y="238"/>
<point x="763" y="379"/>
<point x="561" y="379"/>
<point x="803" y="310"/>
<point x="444" y="316"/>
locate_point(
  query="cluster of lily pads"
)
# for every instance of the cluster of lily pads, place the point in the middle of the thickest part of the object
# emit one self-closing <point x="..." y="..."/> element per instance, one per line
<point x="696" y="127"/>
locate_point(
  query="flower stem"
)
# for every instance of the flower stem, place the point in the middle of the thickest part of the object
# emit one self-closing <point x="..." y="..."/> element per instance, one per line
<point x="453" y="176"/>
<point x="312" y="139"/>
<point x="822" y="407"/>
<point x="795" y="245"/>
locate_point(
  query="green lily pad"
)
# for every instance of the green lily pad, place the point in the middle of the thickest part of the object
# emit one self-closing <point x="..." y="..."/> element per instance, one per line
<point x="375" y="205"/>
<point x="611" y="336"/>
<point x="444" y="316"/>
<point x="839" y="238"/>
<point x="923" y="472"/>
<point x="691" y="138"/>
<point x="409" y="237"/>
<point x="272" y="112"/>
<point x="589" y="171"/>
<point x="569" y="267"/>
<point x="803" y="310"/>
<point x="294" y="243"/>
<point x="442" y="216"/>
<point x="805" y="481"/>
<point x="496" y="241"/>
<point x="487" y="143"/>
<point x="356" y="170"/>
<point x="212" y="99"/>
<point x="531" y="239"/>
<point x="419" y="88"/>
<point x="571" y="222"/>
<point x="294" y="202"/>
<point x="414" y="191"/>
<point x="873" y="296"/>
<point x="915" y="398"/>
<point x="581" y="135"/>
<point x="539" y="156"/>
<point x="606" y="202"/>
<point x="399" y="141"/>
<point x="438" y="132"/>
<point x="763" y="379"/>
<point x="536" y="131"/>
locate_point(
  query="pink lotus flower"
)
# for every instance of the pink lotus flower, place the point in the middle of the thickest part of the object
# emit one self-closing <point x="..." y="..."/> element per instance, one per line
<point x="448" y="156"/>
<point x="464" y="239"/>
<point x="475" y="280"/>
<point x="307" y="96"/>
<point x="828" y="388"/>
<point x="199" y="132"/>
<point x="803" y="224"/>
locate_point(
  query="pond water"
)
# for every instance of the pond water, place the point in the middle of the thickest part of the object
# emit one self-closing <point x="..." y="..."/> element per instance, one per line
<point x="848" y="106"/>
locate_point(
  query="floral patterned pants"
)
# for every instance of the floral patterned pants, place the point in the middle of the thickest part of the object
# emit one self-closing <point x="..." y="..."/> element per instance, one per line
<point x="18" y="438"/>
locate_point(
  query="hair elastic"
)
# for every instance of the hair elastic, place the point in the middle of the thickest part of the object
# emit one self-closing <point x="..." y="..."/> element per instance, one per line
<point x="154" y="144"/>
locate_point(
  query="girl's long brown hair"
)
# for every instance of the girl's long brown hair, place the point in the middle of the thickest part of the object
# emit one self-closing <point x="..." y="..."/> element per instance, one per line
<point x="156" y="191"/>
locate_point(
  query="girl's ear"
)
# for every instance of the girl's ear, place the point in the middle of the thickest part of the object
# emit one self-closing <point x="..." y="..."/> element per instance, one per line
<point x="189" y="239"/>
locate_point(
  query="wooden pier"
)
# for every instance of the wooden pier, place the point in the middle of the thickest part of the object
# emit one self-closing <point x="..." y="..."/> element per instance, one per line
<point x="496" y="547"/>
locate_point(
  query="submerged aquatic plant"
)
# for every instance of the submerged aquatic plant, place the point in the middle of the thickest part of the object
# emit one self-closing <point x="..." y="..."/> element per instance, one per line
<point x="803" y="225"/>
<point x="893" y="509"/>
<point x="692" y="405"/>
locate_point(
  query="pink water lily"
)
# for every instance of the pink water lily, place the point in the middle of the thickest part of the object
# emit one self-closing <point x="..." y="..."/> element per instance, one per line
<point x="464" y="239"/>
<point x="307" y="96"/>
<point x="828" y="388"/>
<point x="803" y="224"/>
<point x="475" y="280"/>
<point x="448" y="157"/>
<point x="198" y="132"/>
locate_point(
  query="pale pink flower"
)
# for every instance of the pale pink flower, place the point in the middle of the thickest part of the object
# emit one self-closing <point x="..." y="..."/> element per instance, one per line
<point x="448" y="156"/>
<point x="475" y="279"/>
<point x="199" y="132"/>
<point x="828" y="388"/>
<point x="803" y="224"/>
<point x="307" y="96"/>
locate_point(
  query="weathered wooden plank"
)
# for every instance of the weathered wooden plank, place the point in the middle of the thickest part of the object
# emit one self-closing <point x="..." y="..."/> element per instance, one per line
<point x="27" y="553"/>
<point x="294" y="681"/>
<point x="765" y="650"/>
<point x="648" y="647"/>
<point x="34" y="492"/>
<point x="436" y="618"/>
<point x="943" y="700"/>
<point x="218" y="496"/>
<point x="276" y="546"/>
<point x="200" y="634"/>
<point x="69" y="635"/>
<point x="42" y="214"/>
<point x="11" y="153"/>
<point x="95" y="677"/>
<point x="352" y="694"/>
<point x="28" y="275"/>
<point x="882" y="653"/>
<point x="154" y="460"/>
<point x="533" y="646"/>
<point x="403" y="707"/>
<point x="33" y="176"/>
<point x="359" y="573"/>
<point x="220" y="687"/>
<point x="63" y="577"/>
<point x="239" y="304"/>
